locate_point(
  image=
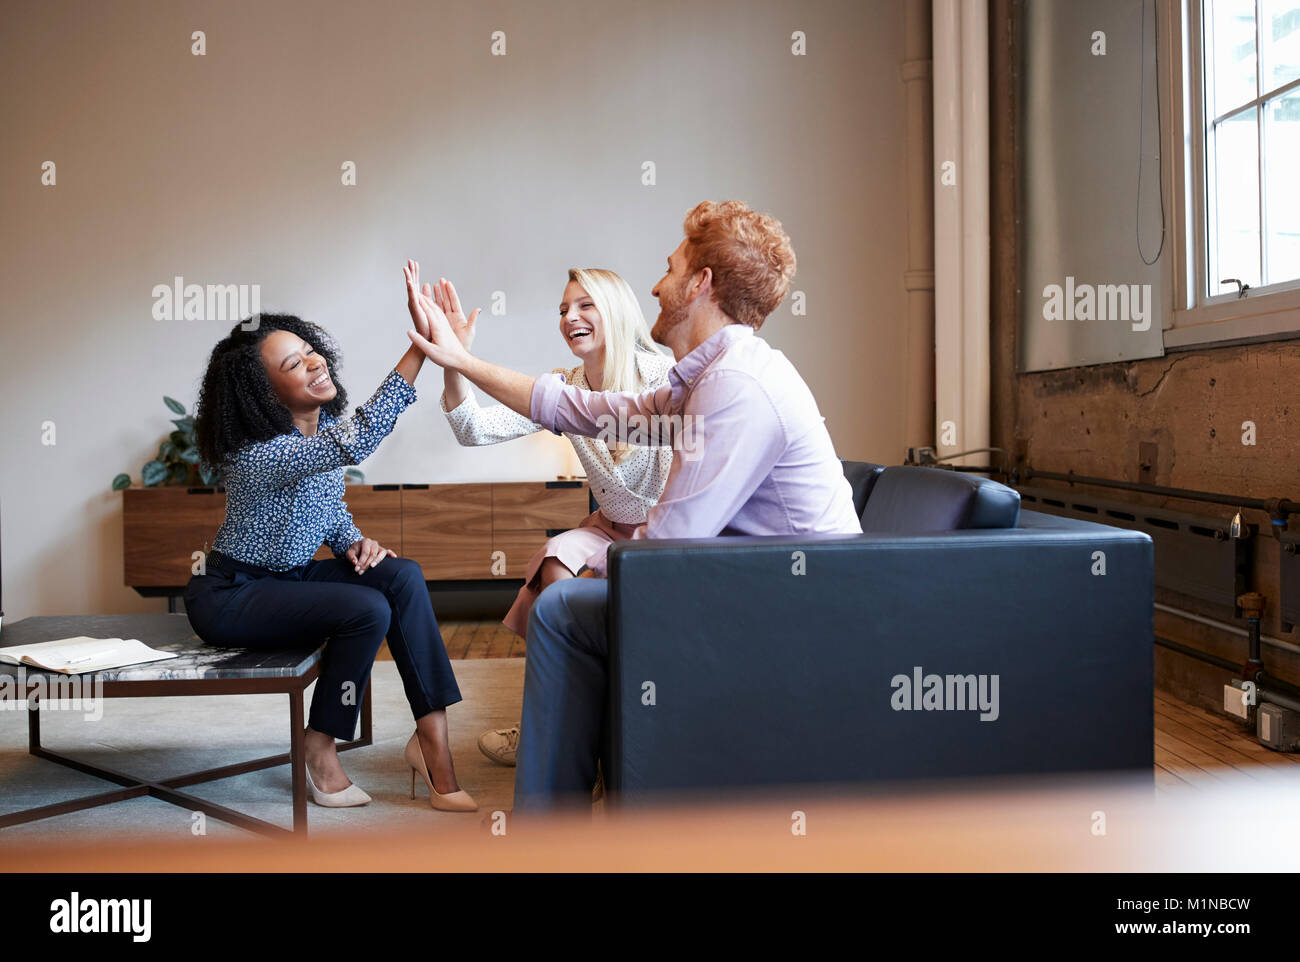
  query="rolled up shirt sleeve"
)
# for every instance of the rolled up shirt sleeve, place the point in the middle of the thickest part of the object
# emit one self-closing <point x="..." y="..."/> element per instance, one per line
<point x="737" y="436"/>
<point x="561" y="408"/>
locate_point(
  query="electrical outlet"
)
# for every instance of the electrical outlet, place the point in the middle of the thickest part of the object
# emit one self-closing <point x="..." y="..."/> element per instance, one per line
<point x="1278" y="728"/>
<point x="1239" y="699"/>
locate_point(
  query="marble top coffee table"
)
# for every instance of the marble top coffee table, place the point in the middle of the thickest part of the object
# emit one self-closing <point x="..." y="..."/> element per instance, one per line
<point x="198" y="669"/>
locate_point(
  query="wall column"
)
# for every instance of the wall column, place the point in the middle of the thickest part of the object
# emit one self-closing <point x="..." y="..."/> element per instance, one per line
<point x="961" y="228"/>
<point x="918" y="280"/>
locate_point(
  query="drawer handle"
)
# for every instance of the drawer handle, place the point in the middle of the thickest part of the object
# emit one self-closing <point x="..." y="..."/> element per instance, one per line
<point x="386" y="487"/>
<point x="564" y="484"/>
<point x="415" y="487"/>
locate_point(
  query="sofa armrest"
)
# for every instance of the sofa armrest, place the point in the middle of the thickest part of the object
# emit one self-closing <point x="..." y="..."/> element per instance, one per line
<point x="778" y="660"/>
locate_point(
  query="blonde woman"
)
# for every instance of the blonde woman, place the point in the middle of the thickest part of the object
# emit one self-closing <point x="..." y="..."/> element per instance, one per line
<point x="602" y="325"/>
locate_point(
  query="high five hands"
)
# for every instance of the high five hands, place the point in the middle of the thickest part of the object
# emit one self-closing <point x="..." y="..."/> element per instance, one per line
<point x="442" y="332"/>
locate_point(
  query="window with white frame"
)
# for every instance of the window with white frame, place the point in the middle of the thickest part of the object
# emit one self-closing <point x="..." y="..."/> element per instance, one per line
<point x="1238" y="134"/>
<point x="1251" y="113"/>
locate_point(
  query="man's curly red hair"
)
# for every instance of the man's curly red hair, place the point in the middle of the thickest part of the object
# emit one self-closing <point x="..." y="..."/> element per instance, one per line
<point x="749" y="253"/>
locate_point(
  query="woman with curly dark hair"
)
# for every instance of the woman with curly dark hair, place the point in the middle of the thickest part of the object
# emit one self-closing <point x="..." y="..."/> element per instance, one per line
<point x="272" y="418"/>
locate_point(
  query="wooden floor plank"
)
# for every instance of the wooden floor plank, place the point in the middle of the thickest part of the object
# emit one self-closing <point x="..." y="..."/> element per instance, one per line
<point x="467" y="639"/>
<point x="1184" y="769"/>
<point x="1223" y="730"/>
<point x="1239" y="742"/>
<point x="449" y="630"/>
<point x="485" y="636"/>
<point x="1168" y="781"/>
<point x="1214" y="723"/>
<point x="500" y="641"/>
<point x="470" y="640"/>
<point x="517" y="646"/>
<point x="481" y="643"/>
<point x="1222" y="753"/>
<point x="1201" y="759"/>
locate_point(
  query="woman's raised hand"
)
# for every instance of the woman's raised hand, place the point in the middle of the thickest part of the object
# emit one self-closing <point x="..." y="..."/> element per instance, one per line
<point x="433" y="334"/>
<point x="418" y="316"/>
<point x="444" y="295"/>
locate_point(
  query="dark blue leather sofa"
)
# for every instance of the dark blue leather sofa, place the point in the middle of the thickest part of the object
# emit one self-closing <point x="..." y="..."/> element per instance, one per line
<point x="794" y="660"/>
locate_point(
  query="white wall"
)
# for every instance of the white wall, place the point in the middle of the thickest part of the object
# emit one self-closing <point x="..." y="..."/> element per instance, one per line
<point x="499" y="172"/>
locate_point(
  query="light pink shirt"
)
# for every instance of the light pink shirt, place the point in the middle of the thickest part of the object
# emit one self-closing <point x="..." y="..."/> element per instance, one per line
<point x="751" y="452"/>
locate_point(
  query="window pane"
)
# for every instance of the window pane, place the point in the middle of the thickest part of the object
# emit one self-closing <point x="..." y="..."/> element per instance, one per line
<point x="1231" y="49"/>
<point x="1236" y="201"/>
<point x="1282" y="143"/>
<point x="1280" y="29"/>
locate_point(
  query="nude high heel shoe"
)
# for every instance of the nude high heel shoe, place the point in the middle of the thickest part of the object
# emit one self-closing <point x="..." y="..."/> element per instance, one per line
<point x="452" y="801"/>
<point x="347" y="798"/>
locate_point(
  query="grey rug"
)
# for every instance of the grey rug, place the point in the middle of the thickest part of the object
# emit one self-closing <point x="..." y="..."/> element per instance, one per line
<point x="161" y="737"/>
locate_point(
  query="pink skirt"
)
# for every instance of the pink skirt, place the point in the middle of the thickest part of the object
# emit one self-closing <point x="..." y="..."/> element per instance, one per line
<point x="572" y="548"/>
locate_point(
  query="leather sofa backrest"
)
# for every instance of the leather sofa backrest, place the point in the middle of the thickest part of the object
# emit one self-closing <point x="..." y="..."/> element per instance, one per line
<point x="862" y="476"/>
<point x="910" y="499"/>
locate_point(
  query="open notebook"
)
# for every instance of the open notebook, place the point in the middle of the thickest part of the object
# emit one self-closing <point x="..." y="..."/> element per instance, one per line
<point x="75" y="656"/>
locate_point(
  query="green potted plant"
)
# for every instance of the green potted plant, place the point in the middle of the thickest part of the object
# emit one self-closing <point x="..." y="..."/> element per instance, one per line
<point x="177" y="461"/>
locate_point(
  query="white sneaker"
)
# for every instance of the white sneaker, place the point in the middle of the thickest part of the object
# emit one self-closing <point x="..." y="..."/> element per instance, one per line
<point x="500" y="744"/>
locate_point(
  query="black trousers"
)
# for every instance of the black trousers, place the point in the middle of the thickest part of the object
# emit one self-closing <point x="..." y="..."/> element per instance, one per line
<point x="239" y="605"/>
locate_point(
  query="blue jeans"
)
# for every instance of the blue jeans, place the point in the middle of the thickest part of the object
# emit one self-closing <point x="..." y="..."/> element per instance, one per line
<point x="566" y="679"/>
<point x="239" y="605"/>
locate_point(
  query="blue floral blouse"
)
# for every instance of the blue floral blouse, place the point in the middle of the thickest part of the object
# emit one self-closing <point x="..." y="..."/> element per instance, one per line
<point x="284" y="497"/>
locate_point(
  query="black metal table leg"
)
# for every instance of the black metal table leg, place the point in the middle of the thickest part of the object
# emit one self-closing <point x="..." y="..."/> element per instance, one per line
<point x="34" y="725"/>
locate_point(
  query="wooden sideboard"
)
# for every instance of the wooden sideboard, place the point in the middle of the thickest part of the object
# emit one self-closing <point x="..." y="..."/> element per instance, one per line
<point x="454" y="531"/>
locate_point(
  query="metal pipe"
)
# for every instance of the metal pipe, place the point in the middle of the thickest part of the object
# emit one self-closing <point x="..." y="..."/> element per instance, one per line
<point x="1251" y="605"/>
<point x="1268" y="694"/>
<point x="1276" y="507"/>
<point x="976" y="468"/>
<point x="1230" y="628"/>
<point x="1196" y="653"/>
<point x="1273" y="686"/>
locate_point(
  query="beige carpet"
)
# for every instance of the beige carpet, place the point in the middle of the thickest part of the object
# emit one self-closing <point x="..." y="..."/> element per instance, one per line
<point x="160" y="737"/>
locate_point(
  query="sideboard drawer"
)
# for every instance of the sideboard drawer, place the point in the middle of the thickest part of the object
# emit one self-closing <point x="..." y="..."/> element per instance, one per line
<point x="534" y="505"/>
<point x="447" y="530"/>
<point x="163" y="528"/>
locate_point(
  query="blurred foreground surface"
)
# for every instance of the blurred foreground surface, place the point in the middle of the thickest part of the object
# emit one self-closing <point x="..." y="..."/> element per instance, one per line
<point x="1074" y="824"/>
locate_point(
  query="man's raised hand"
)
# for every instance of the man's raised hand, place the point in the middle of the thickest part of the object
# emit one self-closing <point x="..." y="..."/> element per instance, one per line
<point x="444" y="295"/>
<point x="433" y="334"/>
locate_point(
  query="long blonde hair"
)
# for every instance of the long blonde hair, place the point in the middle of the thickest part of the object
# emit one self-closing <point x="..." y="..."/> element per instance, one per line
<point x="626" y="333"/>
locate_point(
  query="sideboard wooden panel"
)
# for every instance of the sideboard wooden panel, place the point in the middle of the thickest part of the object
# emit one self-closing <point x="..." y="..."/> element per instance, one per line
<point x="450" y="529"/>
<point x="162" y="528"/>
<point x="447" y="529"/>
<point x="518" y="548"/>
<point x="526" y="513"/>
<point x="519" y="505"/>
